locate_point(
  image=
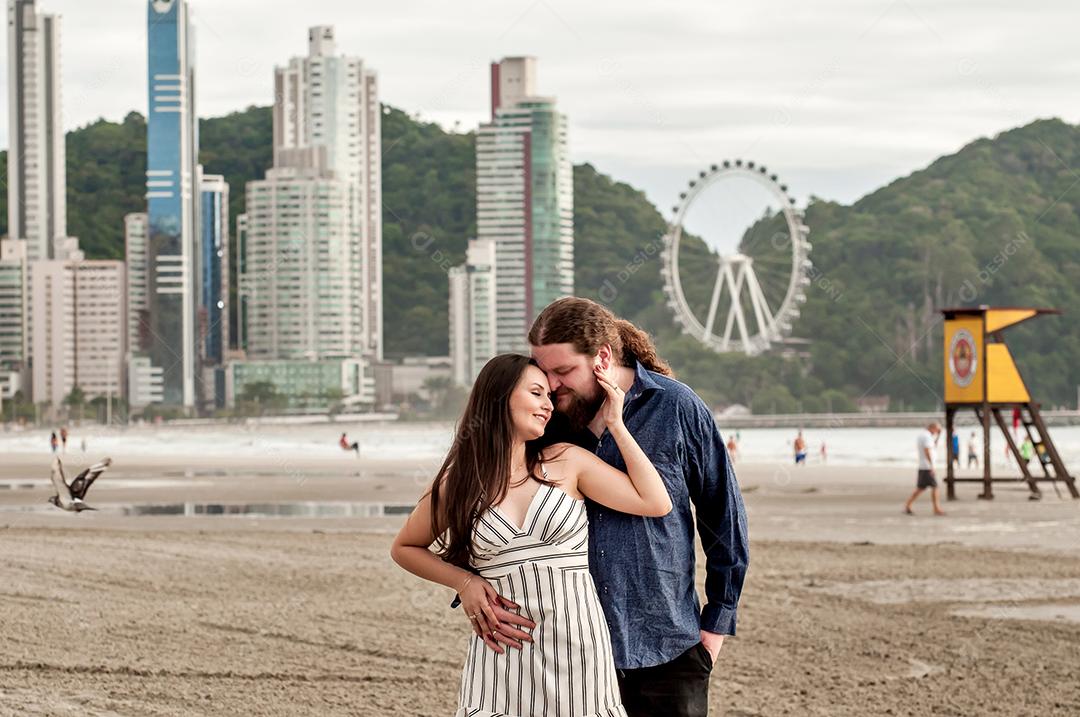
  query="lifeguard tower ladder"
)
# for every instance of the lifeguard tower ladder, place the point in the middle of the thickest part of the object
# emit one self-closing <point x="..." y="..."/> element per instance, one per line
<point x="980" y="374"/>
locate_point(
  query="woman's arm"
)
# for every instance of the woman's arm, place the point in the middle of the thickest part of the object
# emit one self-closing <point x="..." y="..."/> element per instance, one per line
<point x="411" y="550"/>
<point x="642" y="492"/>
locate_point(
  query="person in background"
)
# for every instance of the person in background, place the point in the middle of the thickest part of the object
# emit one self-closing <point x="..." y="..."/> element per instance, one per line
<point x="732" y="448"/>
<point x="346" y="446"/>
<point x="955" y="448"/>
<point x="1042" y="453"/>
<point x="63" y="437"/>
<point x="824" y="453"/>
<point x="973" y="457"/>
<point x="800" y="449"/>
<point x="925" y="444"/>
<point x="54" y="442"/>
<point x="1027" y="450"/>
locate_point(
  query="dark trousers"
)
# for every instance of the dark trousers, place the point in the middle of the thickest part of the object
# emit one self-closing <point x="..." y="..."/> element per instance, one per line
<point x="679" y="688"/>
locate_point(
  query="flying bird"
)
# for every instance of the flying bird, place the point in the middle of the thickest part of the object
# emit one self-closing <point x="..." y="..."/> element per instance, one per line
<point x="70" y="496"/>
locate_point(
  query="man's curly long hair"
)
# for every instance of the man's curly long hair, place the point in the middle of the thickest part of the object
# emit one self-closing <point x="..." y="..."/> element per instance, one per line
<point x="588" y="326"/>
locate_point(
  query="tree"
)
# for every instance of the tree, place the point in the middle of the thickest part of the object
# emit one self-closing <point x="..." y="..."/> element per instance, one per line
<point x="259" y="397"/>
<point x="774" y="399"/>
<point x="75" y="400"/>
<point x="447" y="398"/>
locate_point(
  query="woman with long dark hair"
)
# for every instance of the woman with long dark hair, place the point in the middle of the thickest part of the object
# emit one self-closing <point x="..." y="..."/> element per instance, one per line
<point x="506" y="516"/>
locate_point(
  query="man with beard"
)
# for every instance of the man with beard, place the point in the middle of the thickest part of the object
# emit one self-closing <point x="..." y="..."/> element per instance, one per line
<point x="664" y="643"/>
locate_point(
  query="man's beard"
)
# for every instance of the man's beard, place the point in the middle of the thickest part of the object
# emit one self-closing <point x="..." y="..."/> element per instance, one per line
<point x="581" y="410"/>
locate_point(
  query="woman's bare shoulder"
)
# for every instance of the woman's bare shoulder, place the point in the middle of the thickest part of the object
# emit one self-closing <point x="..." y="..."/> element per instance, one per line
<point x="561" y="452"/>
<point x="565" y="461"/>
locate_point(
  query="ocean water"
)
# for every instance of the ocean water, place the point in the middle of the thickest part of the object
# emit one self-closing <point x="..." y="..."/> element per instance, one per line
<point x="388" y="440"/>
<point x="430" y="441"/>
<point x="887" y="446"/>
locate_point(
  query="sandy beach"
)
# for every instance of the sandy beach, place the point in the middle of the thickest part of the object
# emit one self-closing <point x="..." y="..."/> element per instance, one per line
<point x="850" y="608"/>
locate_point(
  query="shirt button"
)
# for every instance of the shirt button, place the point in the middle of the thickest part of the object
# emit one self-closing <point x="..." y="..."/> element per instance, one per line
<point x="605" y="588"/>
<point x="601" y="553"/>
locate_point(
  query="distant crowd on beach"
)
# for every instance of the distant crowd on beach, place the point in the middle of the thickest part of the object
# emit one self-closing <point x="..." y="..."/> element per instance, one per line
<point x="970" y="458"/>
<point x="799" y="448"/>
<point x="58" y="441"/>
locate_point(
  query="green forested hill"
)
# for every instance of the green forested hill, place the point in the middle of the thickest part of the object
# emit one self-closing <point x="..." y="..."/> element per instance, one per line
<point x="995" y="223"/>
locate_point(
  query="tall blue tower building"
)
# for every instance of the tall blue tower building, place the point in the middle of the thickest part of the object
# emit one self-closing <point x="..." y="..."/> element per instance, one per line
<point x="214" y="277"/>
<point x="172" y="192"/>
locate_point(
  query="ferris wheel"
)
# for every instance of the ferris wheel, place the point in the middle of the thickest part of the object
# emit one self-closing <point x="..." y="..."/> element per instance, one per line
<point x="765" y="277"/>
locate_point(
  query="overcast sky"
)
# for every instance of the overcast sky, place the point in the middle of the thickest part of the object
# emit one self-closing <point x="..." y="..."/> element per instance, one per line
<point x="837" y="96"/>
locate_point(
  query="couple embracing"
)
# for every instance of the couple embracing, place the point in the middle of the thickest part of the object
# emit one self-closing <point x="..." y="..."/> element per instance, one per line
<point x="564" y="517"/>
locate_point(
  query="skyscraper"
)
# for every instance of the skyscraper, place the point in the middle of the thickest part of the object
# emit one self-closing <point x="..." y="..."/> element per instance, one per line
<point x="78" y="328"/>
<point x="524" y="199"/>
<point x="138" y="318"/>
<point x="13" y="287"/>
<point x="327" y="115"/>
<point x="171" y="190"/>
<point x="214" y="279"/>
<point x="241" y="296"/>
<point x="312" y="239"/>
<point x="472" y="312"/>
<point x="37" y="207"/>
<point x="301" y="282"/>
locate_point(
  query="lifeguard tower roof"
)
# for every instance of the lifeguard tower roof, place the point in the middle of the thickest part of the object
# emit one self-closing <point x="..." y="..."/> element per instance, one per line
<point x="997" y="317"/>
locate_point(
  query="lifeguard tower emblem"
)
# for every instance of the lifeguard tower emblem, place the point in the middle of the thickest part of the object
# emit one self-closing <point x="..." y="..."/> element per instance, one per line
<point x="963" y="362"/>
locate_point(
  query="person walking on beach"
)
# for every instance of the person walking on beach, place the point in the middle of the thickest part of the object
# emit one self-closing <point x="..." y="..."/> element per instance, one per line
<point x="63" y="438"/>
<point x="665" y="643"/>
<point x="54" y="442"/>
<point x="800" y="449"/>
<point x="732" y="448"/>
<point x="824" y="453"/>
<point x="508" y="518"/>
<point x="925" y="445"/>
<point x="973" y="457"/>
<point x="346" y="446"/>
<point x="956" y="448"/>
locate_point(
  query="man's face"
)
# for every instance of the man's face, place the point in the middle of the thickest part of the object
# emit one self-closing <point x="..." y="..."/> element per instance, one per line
<point x="574" y="387"/>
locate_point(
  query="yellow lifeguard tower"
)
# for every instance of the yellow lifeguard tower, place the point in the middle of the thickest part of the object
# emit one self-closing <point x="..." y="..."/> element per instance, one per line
<point x="980" y="374"/>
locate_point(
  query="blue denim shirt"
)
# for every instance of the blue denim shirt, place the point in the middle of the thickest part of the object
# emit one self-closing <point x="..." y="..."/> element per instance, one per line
<point x="644" y="568"/>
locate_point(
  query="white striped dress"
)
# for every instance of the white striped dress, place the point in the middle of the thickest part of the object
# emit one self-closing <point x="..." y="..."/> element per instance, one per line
<point x="568" y="669"/>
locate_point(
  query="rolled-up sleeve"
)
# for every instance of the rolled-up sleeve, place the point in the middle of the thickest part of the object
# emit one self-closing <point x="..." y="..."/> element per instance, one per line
<point x="721" y="518"/>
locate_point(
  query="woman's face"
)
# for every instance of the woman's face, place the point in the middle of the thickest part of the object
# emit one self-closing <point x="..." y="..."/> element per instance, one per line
<point x="530" y="404"/>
